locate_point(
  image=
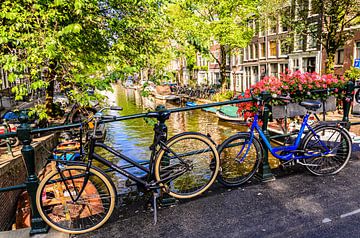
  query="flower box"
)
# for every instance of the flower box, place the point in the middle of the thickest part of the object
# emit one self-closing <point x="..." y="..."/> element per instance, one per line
<point x="294" y="109"/>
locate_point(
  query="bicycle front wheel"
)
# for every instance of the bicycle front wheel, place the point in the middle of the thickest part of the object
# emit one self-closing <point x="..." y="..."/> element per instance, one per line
<point x="239" y="159"/>
<point x="334" y="146"/>
<point x="187" y="166"/>
<point x="57" y="204"/>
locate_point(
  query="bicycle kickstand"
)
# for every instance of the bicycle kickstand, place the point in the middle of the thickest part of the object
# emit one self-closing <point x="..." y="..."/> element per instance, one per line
<point x="155" y="196"/>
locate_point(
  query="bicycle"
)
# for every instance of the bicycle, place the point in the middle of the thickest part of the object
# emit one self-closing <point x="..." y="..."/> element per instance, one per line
<point x="324" y="149"/>
<point x="77" y="197"/>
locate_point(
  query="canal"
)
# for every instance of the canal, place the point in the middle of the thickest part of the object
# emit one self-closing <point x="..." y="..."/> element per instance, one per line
<point x="133" y="137"/>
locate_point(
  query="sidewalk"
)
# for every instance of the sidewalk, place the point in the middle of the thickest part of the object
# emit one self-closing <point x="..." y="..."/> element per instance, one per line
<point x="299" y="205"/>
<point x="24" y="233"/>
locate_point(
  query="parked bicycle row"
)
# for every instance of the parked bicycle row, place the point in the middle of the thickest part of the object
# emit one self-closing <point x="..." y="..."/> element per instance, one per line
<point x="205" y="92"/>
<point x="76" y="196"/>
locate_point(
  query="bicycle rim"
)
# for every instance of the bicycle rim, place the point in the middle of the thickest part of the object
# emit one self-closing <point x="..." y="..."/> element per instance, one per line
<point x="239" y="160"/>
<point x="188" y="166"/>
<point x="335" y="144"/>
<point x="58" y="209"/>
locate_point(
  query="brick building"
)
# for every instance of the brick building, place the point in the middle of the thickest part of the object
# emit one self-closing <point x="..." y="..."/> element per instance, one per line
<point x="270" y="52"/>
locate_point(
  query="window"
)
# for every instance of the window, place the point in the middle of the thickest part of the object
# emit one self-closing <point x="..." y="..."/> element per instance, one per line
<point x="256" y="50"/>
<point x="255" y="74"/>
<point x="311" y="41"/>
<point x="283" y="68"/>
<point x="284" y="48"/>
<point x="296" y="64"/>
<point x="251" y="51"/>
<point x="261" y="29"/>
<point x="272" y="24"/>
<point x="262" y="50"/>
<point x="248" y="77"/>
<point x="283" y="26"/>
<point x="272" y="47"/>
<point x="274" y="69"/>
<point x="240" y="58"/>
<point x="257" y="26"/>
<point x="300" y="8"/>
<point x="298" y="43"/>
<point x="339" y="58"/>
<point x="227" y="59"/>
<point x="313" y="8"/>
<point x="309" y="64"/>
<point x="284" y="19"/>
<point x="245" y="54"/>
<point x="357" y="50"/>
<point x="233" y="61"/>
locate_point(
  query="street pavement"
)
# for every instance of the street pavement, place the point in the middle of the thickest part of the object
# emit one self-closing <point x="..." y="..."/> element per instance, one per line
<point x="296" y="204"/>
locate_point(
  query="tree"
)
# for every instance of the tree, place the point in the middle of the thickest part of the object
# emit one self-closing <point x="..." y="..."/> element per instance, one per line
<point x="203" y="22"/>
<point x="76" y="44"/>
<point x="331" y="29"/>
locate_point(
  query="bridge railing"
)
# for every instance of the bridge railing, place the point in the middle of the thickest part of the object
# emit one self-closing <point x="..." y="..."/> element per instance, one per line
<point x="24" y="133"/>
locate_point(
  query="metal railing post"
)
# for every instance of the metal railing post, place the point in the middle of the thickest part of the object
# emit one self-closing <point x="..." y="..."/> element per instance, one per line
<point x="264" y="173"/>
<point x="24" y="134"/>
<point x="347" y="100"/>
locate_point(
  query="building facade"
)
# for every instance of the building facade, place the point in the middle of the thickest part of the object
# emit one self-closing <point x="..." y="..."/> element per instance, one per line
<point x="270" y="52"/>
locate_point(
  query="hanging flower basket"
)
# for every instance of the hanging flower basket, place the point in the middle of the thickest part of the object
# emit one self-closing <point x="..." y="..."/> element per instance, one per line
<point x="294" y="109"/>
<point x="299" y="86"/>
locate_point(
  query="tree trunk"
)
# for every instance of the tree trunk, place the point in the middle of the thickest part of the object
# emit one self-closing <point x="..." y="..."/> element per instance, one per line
<point x="330" y="62"/>
<point x="49" y="98"/>
<point x="181" y="72"/>
<point x="222" y="67"/>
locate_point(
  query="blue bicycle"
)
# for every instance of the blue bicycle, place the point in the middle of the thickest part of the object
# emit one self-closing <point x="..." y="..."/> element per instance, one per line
<point x="323" y="149"/>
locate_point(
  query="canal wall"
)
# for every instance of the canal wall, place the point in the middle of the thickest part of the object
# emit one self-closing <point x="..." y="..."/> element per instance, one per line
<point x="13" y="172"/>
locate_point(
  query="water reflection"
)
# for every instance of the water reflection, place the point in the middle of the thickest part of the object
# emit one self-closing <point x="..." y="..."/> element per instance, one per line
<point x="133" y="137"/>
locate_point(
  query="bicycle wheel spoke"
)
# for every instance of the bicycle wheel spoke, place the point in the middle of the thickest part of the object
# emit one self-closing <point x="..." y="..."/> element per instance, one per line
<point x="335" y="147"/>
<point x="186" y="165"/>
<point x="93" y="206"/>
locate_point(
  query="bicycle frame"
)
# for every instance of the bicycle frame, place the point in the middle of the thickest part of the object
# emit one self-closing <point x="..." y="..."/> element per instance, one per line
<point x="291" y="149"/>
<point x="160" y="138"/>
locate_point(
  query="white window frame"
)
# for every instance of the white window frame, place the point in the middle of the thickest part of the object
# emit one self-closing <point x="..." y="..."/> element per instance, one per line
<point x="260" y="50"/>
<point x="296" y="41"/>
<point x="310" y="36"/>
<point x="337" y="57"/>
<point x="280" y="51"/>
<point x="309" y="10"/>
<point x="256" y="56"/>
<point x="276" y="27"/>
<point x="269" y="50"/>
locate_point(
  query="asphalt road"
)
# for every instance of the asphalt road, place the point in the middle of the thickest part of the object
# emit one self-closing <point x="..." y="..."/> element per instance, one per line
<point x="294" y="205"/>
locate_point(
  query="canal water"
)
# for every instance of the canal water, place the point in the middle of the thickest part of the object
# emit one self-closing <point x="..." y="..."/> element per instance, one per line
<point x="133" y="137"/>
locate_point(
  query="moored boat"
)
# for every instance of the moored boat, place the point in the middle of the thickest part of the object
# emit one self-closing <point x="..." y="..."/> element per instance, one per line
<point x="230" y="113"/>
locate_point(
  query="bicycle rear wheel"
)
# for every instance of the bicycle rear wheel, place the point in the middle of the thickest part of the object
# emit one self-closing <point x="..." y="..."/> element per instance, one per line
<point x="239" y="160"/>
<point x="187" y="166"/>
<point x="56" y="205"/>
<point x="327" y="138"/>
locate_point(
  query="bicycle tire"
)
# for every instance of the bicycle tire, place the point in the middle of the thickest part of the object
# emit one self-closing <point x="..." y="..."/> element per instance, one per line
<point x="192" y="182"/>
<point x="329" y="164"/>
<point x="234" y="173"/>
<point x="91" y="211"/>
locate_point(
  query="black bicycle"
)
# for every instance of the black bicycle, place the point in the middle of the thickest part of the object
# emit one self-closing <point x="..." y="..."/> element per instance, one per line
<point x="77" y="197"/>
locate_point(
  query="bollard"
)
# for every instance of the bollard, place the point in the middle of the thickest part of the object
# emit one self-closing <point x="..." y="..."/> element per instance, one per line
<point x="347" y="100"/>
<point x="264" y="174"/>
<point x="24" y="134"/>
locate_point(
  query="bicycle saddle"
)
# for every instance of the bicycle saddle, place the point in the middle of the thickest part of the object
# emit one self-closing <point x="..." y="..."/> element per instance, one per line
<point x="311" y="105"/>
